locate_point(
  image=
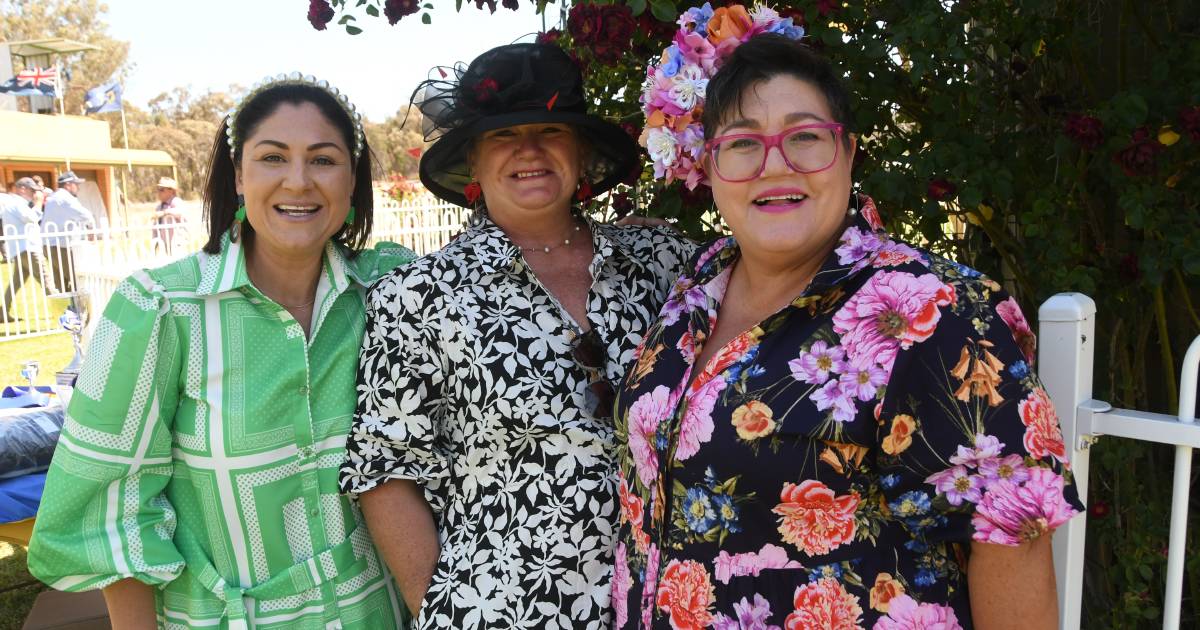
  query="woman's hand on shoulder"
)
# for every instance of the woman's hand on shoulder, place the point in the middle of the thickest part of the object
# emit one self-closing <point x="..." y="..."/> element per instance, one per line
<point x="631" y="220"/>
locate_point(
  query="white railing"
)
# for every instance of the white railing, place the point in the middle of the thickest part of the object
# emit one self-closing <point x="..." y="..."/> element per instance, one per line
<point x="92" y="261"/>
<point x="1066" y="358"/>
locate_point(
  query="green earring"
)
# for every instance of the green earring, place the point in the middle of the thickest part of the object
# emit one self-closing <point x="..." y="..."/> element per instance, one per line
<point x="350" y="216"/>
<point x="240" y="215"/>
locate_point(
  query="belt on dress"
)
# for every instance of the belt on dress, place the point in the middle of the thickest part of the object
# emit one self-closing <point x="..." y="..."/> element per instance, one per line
<point x="296" y="579"/>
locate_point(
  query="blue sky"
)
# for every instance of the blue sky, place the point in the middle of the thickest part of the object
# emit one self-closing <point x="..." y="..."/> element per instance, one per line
<point x="215" y="43"/>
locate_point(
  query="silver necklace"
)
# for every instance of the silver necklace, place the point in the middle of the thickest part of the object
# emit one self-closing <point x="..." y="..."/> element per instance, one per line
<point x="549" y="248"/>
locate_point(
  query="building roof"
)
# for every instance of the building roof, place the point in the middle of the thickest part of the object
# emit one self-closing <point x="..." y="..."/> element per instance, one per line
<point x="54" y="45"/>
<point x="56" y="139"/>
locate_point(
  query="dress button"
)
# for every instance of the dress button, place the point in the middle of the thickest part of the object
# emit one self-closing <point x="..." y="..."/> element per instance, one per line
<point x="315" y="512"/>
<point x="306" y="452"/>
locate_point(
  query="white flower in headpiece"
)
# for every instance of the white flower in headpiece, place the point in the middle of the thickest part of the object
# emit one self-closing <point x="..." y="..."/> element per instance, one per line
<point x="763" y="14"/>
<point x="661" y="144"/>
<point x="688" y="86"/>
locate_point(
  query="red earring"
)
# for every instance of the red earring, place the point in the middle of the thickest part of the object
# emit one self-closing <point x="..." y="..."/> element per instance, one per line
<point x="473" y="192"/>
<point x="585" y="191"/>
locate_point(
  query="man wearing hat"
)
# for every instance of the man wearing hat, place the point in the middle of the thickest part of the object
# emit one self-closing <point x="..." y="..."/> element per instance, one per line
<point x="167" y="212"/>
<point x="20" y="213"/>
<point x="64" y="216"/>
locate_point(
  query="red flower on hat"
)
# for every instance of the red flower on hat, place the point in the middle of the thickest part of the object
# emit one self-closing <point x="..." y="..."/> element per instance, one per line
<point x="396" y="9"/>
<point x="486" y="89"/>
<point x="319" y="14"/>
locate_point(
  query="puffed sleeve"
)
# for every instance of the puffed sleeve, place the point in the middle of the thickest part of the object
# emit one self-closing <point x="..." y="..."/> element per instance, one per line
<point x="968" y="442"/>
<point x="104" y="515"/>
<point x="398" y="430"/>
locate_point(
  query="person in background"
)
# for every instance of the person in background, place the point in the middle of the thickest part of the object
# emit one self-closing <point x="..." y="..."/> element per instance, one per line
<point x="19" y="212"/>
<point x="64" y="216"/>
<point x="167" y="213"/>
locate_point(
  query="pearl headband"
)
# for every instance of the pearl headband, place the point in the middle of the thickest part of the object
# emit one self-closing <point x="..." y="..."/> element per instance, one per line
<point x="295" y="78"/>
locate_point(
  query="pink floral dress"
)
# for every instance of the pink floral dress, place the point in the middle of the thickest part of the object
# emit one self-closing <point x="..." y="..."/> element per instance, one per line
<point x="829" y="467"/>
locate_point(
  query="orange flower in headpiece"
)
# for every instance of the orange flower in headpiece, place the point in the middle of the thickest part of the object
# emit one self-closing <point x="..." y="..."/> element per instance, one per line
<point x="730" y="22"/>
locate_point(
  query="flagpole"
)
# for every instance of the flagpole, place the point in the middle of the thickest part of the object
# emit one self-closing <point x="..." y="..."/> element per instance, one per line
<point x="62" y="88"/>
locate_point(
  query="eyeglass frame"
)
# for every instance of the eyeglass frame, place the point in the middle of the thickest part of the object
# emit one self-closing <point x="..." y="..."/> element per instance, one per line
<point x="596" y="375"/>
<point x="775" y="141"/>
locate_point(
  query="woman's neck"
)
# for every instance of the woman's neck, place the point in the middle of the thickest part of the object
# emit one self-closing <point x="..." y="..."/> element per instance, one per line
<point x="772" y="282"/>
<point x="290" y="280"/>
<point x="536" y="229"/>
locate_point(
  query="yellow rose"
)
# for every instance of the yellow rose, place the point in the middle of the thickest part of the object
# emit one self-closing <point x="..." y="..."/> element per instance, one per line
<point x="753" y="420"/>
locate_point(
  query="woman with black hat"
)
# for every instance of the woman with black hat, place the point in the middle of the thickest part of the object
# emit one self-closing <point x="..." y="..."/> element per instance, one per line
<point x="482" y="444"/>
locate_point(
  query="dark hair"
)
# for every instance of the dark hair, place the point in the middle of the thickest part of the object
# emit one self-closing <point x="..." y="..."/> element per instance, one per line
<point x="220" y="190"/>
<point x="763" y="58"/>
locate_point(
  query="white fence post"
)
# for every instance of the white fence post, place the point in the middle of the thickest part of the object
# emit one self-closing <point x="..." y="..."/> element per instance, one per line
<point x="1176" y="545"/>
<point x="1067" y="340"/>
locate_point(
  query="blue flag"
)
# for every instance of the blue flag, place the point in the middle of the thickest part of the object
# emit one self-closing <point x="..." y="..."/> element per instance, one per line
<point x="105" y="98"/>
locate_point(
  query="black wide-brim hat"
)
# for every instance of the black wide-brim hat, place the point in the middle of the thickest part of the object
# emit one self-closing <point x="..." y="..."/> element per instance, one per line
<point x="517" y="84"/>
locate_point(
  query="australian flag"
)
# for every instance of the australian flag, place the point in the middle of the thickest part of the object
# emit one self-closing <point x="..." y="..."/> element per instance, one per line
<point x="105" y="98"/>
<point x="32" y="82"/>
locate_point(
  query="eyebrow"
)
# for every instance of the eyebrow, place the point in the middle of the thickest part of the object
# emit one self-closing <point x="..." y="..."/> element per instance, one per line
<point x="311" y="147"/>
<point x="750" y="123"/>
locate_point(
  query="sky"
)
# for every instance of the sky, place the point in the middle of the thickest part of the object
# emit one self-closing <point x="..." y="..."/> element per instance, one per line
<point x="213" y="44"/>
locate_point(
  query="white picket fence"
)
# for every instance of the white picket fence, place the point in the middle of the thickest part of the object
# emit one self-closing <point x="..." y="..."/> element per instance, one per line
<point x="98" y="258"/>
<point x="1066" y="359"/>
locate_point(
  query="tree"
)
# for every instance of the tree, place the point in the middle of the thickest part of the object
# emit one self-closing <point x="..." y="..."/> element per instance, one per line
<point x="80" y="20"/>
<point x="395" y="141"/>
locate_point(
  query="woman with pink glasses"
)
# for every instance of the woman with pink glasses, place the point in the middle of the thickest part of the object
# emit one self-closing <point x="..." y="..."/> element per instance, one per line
<point x="826" y="423"/>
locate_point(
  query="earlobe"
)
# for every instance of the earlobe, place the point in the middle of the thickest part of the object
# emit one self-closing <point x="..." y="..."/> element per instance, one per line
<point x="237" y="179"/>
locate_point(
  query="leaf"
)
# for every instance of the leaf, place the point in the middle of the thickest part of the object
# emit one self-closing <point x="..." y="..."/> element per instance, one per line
<point x="373" y="11"/>
<point x="637" y="6"/>
<point x="664" y="10"/>
<point x="353" y="30"/>
<point x="425" y="19"/>
<point x="347" y="18"/>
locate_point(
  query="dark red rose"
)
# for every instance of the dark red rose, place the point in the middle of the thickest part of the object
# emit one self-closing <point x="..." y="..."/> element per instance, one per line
<point x="396" y="9"/>
<point x="549" y="37"/>
<point x="622" y="204"/>
<point x="941" y="190"/>
<point x="511" y="5"/>
<point x="490" y="4"/>
<point x="655" y="29"/>
<point x="608" y="54"/>
<point x="319" y="14"/>
<point x="827" y="7"/>
<point x="1086" y="131"/>
<point x="1128" y="268"/>
<point x="1098" y="509"/>
<point x="617" y="24"/>
<point x="1138" y="159"/>
<point x="584" y="22"/>
<point x="485" y="90"/>
<point x="1189" y="120"/>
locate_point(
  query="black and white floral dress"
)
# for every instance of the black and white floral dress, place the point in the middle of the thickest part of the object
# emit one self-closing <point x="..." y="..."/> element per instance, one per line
<point x="467" y="386"/>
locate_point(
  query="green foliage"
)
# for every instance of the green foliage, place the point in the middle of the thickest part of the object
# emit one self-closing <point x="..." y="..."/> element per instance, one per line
<point x="978" y="95"/>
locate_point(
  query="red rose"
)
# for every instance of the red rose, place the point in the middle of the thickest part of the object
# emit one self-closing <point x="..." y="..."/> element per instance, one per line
<point x="1086" y="131"/>
<point x="1098" y="509"/>
<point x="583" y="23"/>
<point x="319" y="14"/>
<point x="685" y="593"/>
<point x="549" y="37"/>
<point x="396" y="9"/>
<point x="1138" y="158"/>
<point x="940" y="190"/>
<point x="1189" y="119"/>
<point x="617" y="24"/>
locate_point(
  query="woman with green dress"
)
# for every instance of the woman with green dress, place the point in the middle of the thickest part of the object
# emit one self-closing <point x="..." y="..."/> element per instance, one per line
<point x="196" y="477"/>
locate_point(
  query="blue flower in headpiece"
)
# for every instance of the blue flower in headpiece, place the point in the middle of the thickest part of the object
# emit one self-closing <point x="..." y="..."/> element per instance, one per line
<point x="674" y="61"/>
<point x="697" y="19"/>
<point x="786" y="28"/>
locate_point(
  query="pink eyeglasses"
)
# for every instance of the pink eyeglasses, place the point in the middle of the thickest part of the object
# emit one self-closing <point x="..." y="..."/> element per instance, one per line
<point x="741" y="157"/>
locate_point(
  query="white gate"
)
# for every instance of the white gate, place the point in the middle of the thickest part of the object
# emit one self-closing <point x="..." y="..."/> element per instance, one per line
<point x="1067" y="337"/>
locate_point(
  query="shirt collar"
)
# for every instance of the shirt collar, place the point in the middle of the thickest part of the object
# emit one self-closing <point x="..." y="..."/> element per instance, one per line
<point x="226" y="270"/>
<point x="493" y="252"/>
<point x="857" y="246"/>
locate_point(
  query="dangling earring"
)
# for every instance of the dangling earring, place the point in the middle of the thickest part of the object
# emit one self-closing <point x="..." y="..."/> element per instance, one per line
<point x="235" y="231"/>
<point x="585" y="190"/>
<point x="853" y="210"/>
<point x="350" y="216"/>
<point x="473" y="191"/>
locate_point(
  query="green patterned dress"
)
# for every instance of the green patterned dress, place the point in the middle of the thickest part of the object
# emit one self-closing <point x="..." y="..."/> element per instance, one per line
<point x="202" y="447"/>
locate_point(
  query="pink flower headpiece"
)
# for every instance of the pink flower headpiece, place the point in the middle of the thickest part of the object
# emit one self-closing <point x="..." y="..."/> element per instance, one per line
<point x="673" y="95"/>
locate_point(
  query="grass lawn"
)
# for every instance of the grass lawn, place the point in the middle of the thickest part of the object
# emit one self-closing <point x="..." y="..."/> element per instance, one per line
<point x="54" y="352"/>
<point x="15" y="604"/>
